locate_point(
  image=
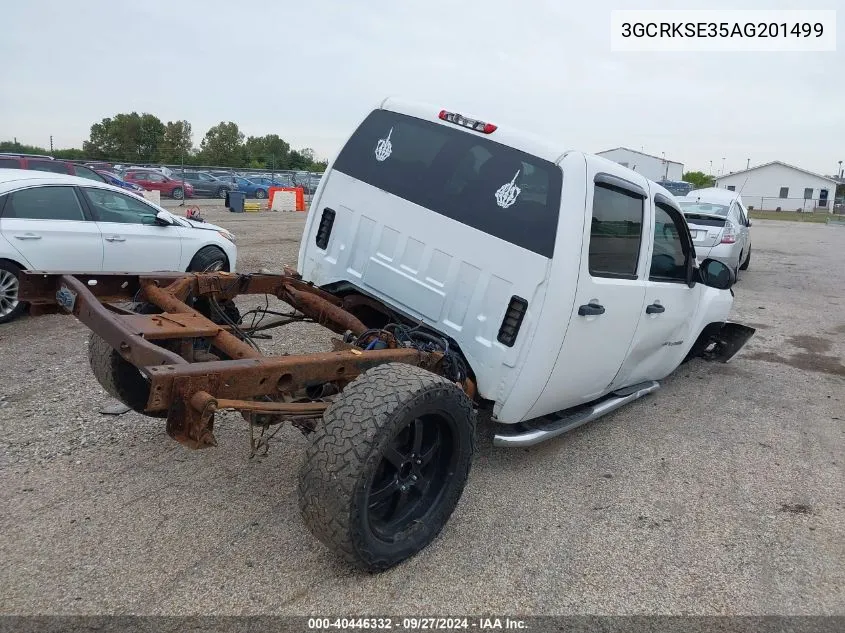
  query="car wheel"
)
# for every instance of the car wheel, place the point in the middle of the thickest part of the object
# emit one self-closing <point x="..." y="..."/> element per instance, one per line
<point x="260" y="194"/>
<point x="177" y="194"/>
<point x="747" y="261"/>
<point x="10" y="307"/>
<point x="209" y="259"/>
<point x="221" y="193"/>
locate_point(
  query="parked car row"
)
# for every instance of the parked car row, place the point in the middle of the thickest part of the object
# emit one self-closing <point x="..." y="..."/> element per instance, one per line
<point x="176" y="184"/>
<point x="214" y="184"/>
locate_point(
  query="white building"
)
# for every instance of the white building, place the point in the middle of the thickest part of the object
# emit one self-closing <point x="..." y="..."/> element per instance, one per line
<point x="652" y="167"/>
<point x="776" y="186"/>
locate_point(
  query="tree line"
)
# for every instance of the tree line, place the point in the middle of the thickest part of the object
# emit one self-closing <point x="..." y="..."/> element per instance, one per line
<point x="144" y="138"/>
<point x="699" y="179"/>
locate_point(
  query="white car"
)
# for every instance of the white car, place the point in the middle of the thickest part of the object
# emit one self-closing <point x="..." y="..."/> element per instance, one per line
<point x="719" y="223"/>
<point x="56" y="222"/>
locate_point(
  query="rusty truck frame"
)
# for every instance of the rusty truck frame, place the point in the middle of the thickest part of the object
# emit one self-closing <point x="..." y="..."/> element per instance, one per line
<point x="143" y="350"/>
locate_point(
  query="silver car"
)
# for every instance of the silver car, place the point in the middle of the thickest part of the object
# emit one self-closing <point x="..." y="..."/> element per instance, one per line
<point x="719" y="224"/>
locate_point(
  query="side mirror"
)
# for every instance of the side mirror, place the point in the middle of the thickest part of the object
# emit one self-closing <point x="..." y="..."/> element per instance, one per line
<point x="163" y="219"/>
<point x="715" y="274"/>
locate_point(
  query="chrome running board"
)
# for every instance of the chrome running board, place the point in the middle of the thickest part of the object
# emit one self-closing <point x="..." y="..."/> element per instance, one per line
<point x="554" y="424"/>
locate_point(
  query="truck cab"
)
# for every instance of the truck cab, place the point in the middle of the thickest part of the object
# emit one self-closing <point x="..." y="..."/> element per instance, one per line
<point x="561" y="277"/>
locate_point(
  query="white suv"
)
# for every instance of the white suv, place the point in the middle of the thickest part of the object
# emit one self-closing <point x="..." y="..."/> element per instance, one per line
<point x="64" y="223"/>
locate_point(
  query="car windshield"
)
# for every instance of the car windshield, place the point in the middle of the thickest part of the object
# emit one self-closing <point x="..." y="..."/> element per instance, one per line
<point x="704" y="207"/>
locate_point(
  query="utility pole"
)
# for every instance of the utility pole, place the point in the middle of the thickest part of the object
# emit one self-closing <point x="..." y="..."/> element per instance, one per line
<point x="840" y="169"/>
<point x="51" y="143"/>
<point x="711" y="168"/>
<point x="723" y="165"/>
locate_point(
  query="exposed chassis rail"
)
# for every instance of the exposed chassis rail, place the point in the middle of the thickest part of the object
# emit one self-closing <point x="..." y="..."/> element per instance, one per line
<point x="161" y="345"/>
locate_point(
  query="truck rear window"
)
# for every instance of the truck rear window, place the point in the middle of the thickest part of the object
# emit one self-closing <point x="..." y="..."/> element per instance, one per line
<point x="494" y="188"/>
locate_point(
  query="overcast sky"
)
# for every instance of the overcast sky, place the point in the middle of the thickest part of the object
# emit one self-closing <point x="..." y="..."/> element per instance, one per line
<point x="309" y="70"/>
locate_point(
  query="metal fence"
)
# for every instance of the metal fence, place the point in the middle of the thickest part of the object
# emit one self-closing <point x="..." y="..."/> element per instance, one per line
<point x="801" y="205"/>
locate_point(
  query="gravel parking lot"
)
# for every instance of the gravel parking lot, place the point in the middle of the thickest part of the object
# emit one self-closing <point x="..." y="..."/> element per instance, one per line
<point x="722" y="493"/>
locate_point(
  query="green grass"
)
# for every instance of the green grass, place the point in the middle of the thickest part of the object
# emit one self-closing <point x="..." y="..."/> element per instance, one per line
<point x="792" y="216"/>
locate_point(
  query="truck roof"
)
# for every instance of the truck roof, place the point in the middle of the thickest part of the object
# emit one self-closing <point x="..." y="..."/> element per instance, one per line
<point x="512" y="137"/>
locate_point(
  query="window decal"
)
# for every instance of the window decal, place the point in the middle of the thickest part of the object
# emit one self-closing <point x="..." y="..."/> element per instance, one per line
<point x="506" y="194"/>
<point x="384" y="148"/>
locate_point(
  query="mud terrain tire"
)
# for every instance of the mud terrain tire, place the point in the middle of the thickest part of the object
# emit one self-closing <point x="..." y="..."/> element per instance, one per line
<point x="387" y="465"/>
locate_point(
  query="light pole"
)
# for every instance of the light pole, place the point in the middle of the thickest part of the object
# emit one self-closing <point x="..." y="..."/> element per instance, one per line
<point x="182" y="161"/>
<point x="840" y="169"/>
<point x="748" y="163"/>
<point x="723" y="165"/>
<point x="711" y="168"/>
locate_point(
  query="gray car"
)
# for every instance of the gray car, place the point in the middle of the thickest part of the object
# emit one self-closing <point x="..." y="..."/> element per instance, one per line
<point x="204" y="183"/>
<point x="718" y="221"/>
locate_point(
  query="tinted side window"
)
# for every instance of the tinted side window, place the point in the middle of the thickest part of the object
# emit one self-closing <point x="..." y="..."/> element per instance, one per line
<point x="110" y="206"/>
<point x="462" y="175"/>
<point x="668" y="261"/>
<point x="44" y="203"/>
<point x="48" y="165"/>
<point x="10" y="163"/>
<point x="85" y="172"/>
<point x="155" y="178"/>
<point x="616" y="232"/>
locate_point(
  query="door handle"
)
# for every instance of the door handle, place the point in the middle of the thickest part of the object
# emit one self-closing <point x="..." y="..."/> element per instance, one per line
<point x="28" y="236"/>
<point x="115" y="238"/>
<point x="590" y="309"/>
<point x="655" y="308"/>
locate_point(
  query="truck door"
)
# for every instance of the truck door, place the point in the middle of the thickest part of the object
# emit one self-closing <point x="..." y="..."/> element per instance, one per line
<point x="668" y="314"/>
<point x="609" y="294"/>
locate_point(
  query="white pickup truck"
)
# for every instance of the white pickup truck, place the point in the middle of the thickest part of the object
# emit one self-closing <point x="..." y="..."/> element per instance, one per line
<point x="563" y="278"/>
<point x="467" y="266"/>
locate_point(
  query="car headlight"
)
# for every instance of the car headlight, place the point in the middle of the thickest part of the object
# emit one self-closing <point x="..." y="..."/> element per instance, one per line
<point x="227" y="235"/>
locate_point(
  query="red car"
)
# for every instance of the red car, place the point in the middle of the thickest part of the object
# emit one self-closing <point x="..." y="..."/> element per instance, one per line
<point x="156" y="181"/>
